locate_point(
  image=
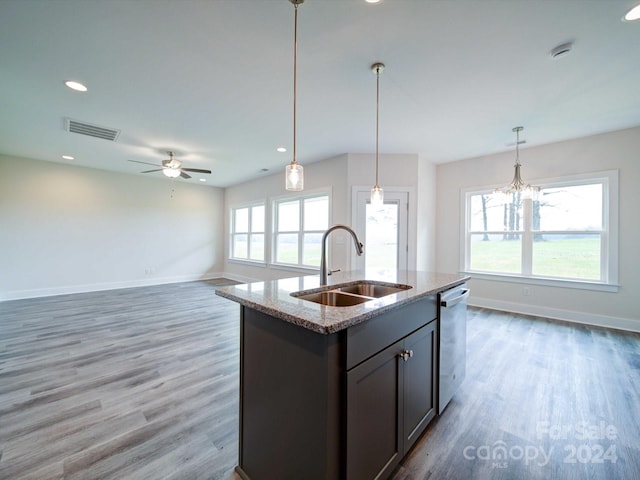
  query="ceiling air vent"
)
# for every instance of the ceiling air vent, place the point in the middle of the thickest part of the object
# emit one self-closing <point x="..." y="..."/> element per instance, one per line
<point x="83" y="128"/>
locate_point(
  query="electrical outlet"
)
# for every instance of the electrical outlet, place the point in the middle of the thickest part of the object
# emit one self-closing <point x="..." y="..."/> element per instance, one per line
<point x="526" y="291"/>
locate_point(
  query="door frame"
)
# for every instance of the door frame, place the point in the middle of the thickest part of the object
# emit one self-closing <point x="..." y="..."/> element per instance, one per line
<point x="412" y="219"/>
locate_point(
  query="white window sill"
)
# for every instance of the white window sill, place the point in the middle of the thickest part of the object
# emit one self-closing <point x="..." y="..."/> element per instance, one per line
<point x="252" y="263"/>
<point x="546" y="282"/>
<point x="295" y="268"/>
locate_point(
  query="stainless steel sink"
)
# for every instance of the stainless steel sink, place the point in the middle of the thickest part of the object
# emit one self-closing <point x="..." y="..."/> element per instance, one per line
<point x="352" y="294"/>
<point x="375" y="290"/>
<point x="334" y="298"/>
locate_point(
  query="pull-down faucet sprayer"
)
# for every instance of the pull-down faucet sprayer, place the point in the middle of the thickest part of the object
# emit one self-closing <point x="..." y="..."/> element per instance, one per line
<point x="323" y="258"/>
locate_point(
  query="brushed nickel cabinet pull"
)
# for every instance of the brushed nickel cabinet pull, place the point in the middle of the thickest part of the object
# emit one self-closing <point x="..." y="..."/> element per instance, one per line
<point x="406" y="354"/>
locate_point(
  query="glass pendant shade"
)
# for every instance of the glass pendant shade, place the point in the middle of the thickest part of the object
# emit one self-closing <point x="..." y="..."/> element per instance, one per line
<point x="377" y="196"/>
<point x="294" y="177"/>
<point x="171" y="172"/>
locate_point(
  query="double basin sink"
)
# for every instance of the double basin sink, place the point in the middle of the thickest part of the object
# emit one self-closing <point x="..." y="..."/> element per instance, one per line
<point x="351" y="294"/>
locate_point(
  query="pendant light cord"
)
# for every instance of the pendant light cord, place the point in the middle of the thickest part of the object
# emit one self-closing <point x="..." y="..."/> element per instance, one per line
<point x="377" y="117"/>
<point x="295" y="79"/>
<point x="517" y="130"/>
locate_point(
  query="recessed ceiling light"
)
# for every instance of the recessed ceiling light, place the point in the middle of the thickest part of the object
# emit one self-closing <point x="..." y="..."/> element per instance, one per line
<point x="203" y="179"/>
<point x="68" y="157"/>
<point x="281" y="149"/>
<point x="633" y="14"/>
<point x="373" y="1"/>
<point x="77" y="86"/>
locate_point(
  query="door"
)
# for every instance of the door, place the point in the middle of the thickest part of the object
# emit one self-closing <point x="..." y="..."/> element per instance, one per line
<point x="384" y="231"/>
<point x="419" y="382"/>
<point x="374" y="416"/>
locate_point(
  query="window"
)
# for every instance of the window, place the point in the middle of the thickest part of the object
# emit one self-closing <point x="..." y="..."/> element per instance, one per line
<point x="568" y="233"/>
<point x="247" y="233"/>
<point x="299" y="225"/>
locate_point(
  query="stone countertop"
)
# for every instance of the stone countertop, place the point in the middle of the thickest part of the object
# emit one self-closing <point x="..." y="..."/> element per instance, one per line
<point x="274" y="297"/>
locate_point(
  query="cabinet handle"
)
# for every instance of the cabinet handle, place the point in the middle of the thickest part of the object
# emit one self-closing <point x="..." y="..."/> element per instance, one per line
<point x="406" y="354"/>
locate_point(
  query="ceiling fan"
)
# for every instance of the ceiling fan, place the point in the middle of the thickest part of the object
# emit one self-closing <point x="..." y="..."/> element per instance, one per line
<point x="172" y="168"/>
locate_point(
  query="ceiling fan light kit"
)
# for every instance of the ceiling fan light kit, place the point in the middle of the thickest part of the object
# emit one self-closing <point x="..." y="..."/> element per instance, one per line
<point x="171" y="172"/>
<point x="172" y="168"/>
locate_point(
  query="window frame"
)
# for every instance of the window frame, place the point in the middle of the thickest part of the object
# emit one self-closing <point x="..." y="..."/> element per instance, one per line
<point x="609" y="235"/>
<point x="233" y="233"/>
<point x="300" y="198"/>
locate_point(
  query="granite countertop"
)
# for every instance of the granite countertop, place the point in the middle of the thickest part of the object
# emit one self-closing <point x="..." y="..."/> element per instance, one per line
<point x="274" y="297"/>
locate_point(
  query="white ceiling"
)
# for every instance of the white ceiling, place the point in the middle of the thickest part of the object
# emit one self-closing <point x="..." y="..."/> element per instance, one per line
<point x="212" y="79"/>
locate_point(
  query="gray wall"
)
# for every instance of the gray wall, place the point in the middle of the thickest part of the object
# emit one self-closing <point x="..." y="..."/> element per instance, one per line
<point x="609" y="151"/>
<point x="68" y="229"/>
<point x="342" y="175"/>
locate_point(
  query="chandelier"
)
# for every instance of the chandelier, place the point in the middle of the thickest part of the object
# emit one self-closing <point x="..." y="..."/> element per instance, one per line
<point x="517" y="185"/>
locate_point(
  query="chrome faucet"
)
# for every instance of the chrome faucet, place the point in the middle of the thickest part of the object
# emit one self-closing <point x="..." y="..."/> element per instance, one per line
<point x="323" y="257"/>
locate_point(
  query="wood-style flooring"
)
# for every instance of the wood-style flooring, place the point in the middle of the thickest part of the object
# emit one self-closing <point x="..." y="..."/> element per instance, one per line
<point x="541" y="400"/>
<point x="142" y="383"/>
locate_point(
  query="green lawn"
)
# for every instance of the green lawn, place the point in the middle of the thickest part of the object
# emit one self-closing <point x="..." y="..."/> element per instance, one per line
<point x="288" y="253"/>
<point x="553" y="257"/>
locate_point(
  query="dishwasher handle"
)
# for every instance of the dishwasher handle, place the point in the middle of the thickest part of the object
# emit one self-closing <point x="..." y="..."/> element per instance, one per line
<point x="450" y="302"/>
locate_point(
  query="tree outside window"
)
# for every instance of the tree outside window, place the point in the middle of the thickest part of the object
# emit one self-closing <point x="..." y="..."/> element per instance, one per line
<point x="563" y="234"/>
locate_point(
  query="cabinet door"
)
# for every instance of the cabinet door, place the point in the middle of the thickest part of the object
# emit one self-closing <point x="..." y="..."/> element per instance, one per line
<point x="374" y="413"/>
<point x="419" y="395"/>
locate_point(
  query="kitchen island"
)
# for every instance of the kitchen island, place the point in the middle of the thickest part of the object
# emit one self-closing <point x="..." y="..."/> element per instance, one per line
<point x="335" y="392"/>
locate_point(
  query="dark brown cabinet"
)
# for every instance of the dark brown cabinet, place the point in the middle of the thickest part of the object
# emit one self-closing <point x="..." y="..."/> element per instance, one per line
<point x="347" y="405"/>
<point x="390" y="400"/>
<point x="419" y="389"/>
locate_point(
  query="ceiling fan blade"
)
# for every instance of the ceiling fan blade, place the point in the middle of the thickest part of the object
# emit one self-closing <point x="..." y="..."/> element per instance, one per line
<point x="196" y="170"/>
<point x="184" y="175"/>
<point x="149" y="171"/>
<point x="146" y="163"/>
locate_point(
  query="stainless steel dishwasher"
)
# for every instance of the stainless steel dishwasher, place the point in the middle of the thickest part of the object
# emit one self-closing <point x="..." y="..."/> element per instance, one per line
<point x="452" y="306"/>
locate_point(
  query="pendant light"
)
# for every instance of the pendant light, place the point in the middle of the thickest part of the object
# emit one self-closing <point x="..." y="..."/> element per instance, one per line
<point x="377" y="194"/>
<point x="517" y="184"/>
<point x="294" y="173"/>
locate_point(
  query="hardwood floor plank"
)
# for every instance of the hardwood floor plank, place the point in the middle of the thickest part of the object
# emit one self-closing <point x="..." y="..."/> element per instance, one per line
<point x="142" y="383"/>
<point x="65" y="440"/>
<point x="16" y="423"/>
<point x="532" y="385"/>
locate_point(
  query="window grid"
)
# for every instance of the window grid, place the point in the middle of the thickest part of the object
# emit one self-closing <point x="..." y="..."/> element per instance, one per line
<point x="537" y="242"/>
<point x="297" y="236"/>
<point x="248" y="233"/>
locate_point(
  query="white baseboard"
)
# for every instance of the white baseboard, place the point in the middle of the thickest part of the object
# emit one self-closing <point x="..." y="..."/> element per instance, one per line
<point x="585" y="318"/>
<point x="96" y="287"/>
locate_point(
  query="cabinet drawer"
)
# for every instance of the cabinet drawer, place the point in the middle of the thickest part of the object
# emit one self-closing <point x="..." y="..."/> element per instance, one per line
<point x="368" y="338"/>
